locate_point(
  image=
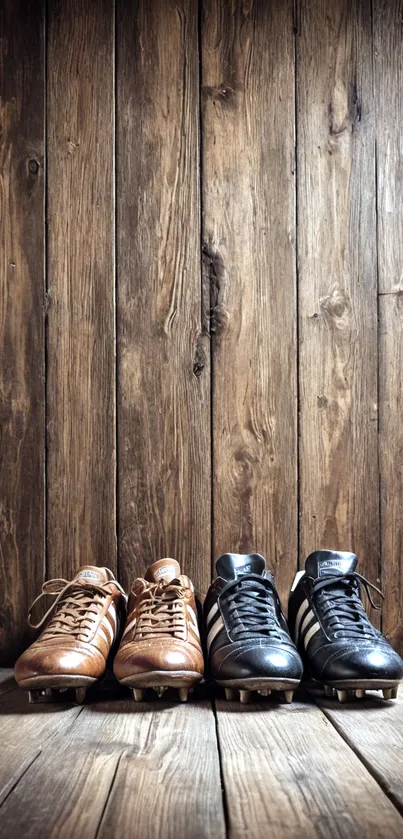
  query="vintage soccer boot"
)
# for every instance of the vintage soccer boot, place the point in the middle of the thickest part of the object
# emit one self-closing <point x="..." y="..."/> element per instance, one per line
<point x="330" y="626"/>
<point x="160" y="646"/>
<point x="247" y="638"/>
<point x="79" y="630"/>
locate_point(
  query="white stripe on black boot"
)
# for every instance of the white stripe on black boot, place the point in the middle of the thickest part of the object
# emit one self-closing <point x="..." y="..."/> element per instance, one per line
<point x="248" y="642"/>
<point x="332" y="630"/>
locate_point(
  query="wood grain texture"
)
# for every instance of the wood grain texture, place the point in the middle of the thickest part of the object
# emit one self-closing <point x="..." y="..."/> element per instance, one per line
<point x="337" y="281"/>
<point x="388" y="64"/>
<point x="25" y="730"/>
<point x="248" y="248"/>
<point x="373" y="728"/>
<point x="163" y="355"/>
<point x="124" y="770"/>
<point x="171" y="785"/>
<point x="81" y="347"/>
<point x="391" y="461"/>
<point x="22" y="314"/>
<point x="287" y="772"/>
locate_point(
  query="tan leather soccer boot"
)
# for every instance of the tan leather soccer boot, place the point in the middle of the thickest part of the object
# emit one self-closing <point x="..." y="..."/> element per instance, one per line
<point x="160" y="647"/>
<point x="79" y="630"/>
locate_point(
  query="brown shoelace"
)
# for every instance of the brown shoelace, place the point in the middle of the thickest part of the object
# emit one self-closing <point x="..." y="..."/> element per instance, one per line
<point x="163" y="610"/>
<point x="75" y="608"/>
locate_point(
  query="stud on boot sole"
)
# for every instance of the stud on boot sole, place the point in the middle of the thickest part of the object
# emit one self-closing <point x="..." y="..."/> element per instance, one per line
<point x="230" y="694"/>
<point x="36" y="697"/>
<point x="138" y="694"/>
<point x="329" y="691"/>
<point x="244" y="696"/>
<point x="160" y="691"/>
<point x="343" y="696"/>
<point x="390" y="693"/>
<point x="183" y="694"/>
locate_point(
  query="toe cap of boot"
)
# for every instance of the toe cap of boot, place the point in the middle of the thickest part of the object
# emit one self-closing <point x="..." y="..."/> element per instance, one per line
<point x="135" y="658"/>
<point x="263" y="661"/>
<point x="55" y="661"/>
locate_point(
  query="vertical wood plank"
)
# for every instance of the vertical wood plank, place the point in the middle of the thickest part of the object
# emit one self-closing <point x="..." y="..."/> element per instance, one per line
<point x="337" y="281"/>
<point x="81" y="350"/>
<point x="388" y="44"/>
<point x="163" y="355"/>
<point x="22" y="347"/>
<point x="248" y="245"/>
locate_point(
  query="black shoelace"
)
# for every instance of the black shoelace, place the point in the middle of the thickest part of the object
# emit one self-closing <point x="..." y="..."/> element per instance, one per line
<point x="251" y="607"/>
<point x="338" y="600"/>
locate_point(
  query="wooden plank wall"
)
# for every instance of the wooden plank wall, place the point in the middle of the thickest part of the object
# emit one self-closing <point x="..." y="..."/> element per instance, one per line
<point x="22" y="314"/>
<point x="249" y="255"/>
<point x="163" y="349"/>
<point x="201" y="288"/>
<point x="81" y="468"/>
<point x="337" y="281"/>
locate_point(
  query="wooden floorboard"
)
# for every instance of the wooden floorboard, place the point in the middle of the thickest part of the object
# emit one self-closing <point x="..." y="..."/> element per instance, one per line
<point x="374" y="730"/>
<point x="124" y="769"/>
<point x="25" y="730"/>
<point x="288" y="773"/>
<point x="172" y="780"/>
<point x="158" y="771"/>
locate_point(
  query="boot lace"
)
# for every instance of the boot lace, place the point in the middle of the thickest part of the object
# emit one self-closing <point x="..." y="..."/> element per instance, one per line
<point x="76" y="607"/>
<point x="162" y="610"/>
<point x="340" y="605"/>
<point x="252" y="607"/>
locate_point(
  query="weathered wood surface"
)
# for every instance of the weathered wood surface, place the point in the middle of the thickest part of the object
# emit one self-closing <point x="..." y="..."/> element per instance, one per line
<point x="170" y="786"/>
<point x="121" y="769"/>
<point x="22" y="314"/>
<point x="81" y="345"/>
<point x="248" y="233"/>
<point x="337" y="281"/>
<point x="153" y="770"/>
<point x="373" y="728"/>
<point x="288" y="773"/>
<point x="249" y="261"/>
<point x="163" y="353"/>
<point x="388" y="68"/>
<point x="25" y="730"/>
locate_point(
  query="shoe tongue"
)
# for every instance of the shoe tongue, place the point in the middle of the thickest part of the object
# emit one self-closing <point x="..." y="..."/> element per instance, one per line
<point x="93" y="574"/>
<point x="163" y="569"/>
<point x="231" y="566"/>
<point x="330" y="563"/>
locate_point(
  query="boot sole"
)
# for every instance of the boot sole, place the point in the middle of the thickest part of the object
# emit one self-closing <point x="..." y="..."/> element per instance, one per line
<point x="347" y="690"/>
<point x="45" y="688"/>
<point x="159" y="680"/>
<point x="263" y="686"/>
<point x="162" y="679"/>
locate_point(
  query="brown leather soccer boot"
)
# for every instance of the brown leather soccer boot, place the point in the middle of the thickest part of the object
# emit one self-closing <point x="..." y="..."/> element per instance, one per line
<point x="79" y="630"/>
<point x="160" y="647"/>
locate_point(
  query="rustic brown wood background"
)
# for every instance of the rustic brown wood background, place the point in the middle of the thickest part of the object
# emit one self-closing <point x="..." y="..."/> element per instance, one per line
<point x="201" y="288"/>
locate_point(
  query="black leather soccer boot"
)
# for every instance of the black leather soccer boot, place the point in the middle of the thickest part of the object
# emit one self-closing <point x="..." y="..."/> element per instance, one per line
<point x="247" y="638"/>
<point x="332" y="630"/>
